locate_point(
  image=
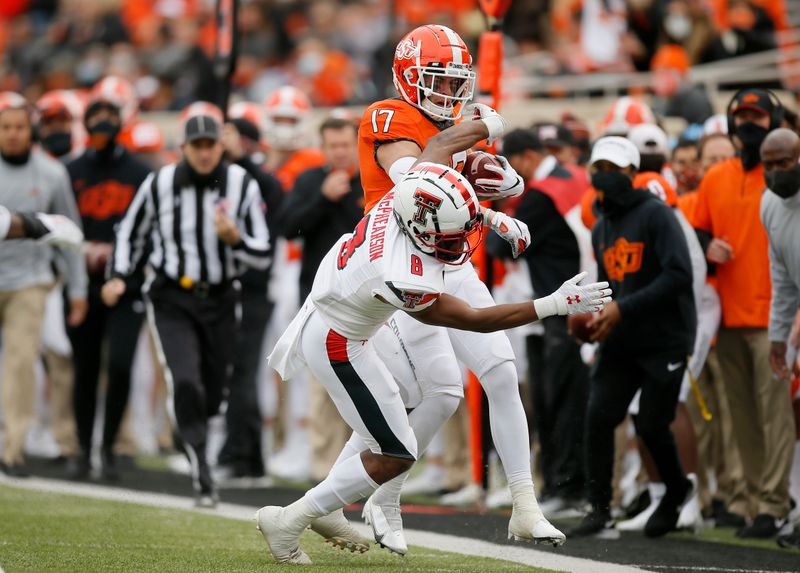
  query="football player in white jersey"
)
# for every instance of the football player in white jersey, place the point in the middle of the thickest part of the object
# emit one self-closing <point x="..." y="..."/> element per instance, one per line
<point x="433" y="75"/>
<point x="395" y="259"/>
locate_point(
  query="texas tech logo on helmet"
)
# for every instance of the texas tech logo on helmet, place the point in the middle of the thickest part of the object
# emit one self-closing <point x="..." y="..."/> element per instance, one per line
<point x="426" y="203"/>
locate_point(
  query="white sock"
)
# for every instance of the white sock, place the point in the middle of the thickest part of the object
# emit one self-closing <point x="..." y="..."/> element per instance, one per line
<point x="347" y="483"/>
<point x="425" y="420"/>
<point x="355" y="445"/>
<point x="657" y="491"/>
<point x="524" y="496"/>
<point x="508" y="422"/>
<point x="794" y="475"/>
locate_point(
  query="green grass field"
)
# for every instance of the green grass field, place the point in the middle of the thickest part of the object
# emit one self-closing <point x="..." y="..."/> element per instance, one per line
<point x="48" y="532"/>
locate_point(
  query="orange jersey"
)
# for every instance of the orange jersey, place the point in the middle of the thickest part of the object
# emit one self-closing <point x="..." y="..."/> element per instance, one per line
<point x="658" y="186"/>
<point x="389" y="121"/>
<point x="299" y="161"/>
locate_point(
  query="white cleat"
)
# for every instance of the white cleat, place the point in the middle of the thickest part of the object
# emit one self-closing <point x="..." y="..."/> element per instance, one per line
<point x="387" y="526"/>
<point x="532" y="525"/>
<point x="338" y="532"/>
<point x="691" y="517"/>
<point x="638" y="521"/>
<point x="282" y="542"/>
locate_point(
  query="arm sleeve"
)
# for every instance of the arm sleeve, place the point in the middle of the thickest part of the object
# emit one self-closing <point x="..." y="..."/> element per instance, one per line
<point x="668" y="244"/>
<point x="64" y="204"/>
<point x="305" y="207"/>
<point x="254" y="247"/>
<point x="133" y="230"/>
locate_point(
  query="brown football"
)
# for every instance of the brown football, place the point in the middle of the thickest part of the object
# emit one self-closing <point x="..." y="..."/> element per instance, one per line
<point x="475" y="168"/>
<point x="578" y="326"/>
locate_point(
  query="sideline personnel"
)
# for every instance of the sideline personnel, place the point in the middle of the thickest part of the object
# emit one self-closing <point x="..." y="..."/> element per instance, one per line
<point x="205" y="221"/>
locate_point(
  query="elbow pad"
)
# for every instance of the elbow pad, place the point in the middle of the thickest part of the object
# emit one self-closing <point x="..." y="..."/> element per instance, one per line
<point x="400" y="167"/>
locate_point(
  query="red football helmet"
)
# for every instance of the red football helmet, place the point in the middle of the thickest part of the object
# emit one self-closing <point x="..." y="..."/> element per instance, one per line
<point x="286" y="114"/>
<point x="433" y="62"/>
<point x="119" y="92"/>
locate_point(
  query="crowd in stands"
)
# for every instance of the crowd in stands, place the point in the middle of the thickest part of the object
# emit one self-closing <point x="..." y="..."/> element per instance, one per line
<point x="337" y="51"/>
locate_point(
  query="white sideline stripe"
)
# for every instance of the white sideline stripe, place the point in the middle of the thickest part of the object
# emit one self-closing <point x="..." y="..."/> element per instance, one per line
<point x="725" y="569"/>
<point x="465" y="546"/>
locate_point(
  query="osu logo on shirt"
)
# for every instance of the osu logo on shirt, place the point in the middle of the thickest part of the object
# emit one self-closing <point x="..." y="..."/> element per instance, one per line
<point x="622" y="258"/>
<point x="105" y="199"/>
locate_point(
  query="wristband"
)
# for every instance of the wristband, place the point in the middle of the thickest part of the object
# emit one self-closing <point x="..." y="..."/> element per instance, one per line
<point x="33" y="227"/>
<point x="496" y="126"/>
<point x="545" y="306"/>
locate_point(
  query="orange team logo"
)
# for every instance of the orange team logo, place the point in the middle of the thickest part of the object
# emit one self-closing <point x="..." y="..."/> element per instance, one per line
<point x="426" y="203"/>
<point x="750" y="98"/>
<point x="622" y="258"/>
<point x="406" y="50"/>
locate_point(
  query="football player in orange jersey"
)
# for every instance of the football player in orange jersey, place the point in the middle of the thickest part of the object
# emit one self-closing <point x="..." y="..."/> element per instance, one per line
<point x="434" y="77"/>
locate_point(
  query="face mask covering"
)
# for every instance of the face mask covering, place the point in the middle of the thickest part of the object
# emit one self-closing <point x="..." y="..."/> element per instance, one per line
<point x="58" y="143"/>
<point x="784" y="184"/>
<point x="103" y="135"/>
<point x="614" y="186"/>
<point x="678" y="27"/>
<point x="751" y="136"/>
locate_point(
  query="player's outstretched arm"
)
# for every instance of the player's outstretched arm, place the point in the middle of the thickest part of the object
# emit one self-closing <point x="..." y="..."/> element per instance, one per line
<point x="570" y="298"/>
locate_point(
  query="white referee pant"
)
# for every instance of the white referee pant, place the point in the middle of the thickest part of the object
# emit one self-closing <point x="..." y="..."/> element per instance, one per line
<point x="360" y="385"/>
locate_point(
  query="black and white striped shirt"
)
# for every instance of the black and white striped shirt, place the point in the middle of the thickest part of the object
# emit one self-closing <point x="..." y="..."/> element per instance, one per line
<point x="179" y="219"/>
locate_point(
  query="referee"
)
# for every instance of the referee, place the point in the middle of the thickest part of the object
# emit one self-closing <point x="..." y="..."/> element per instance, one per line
<point x="205" y="220"/>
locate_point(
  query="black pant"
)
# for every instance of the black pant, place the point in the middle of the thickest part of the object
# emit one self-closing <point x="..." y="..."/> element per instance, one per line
<point x="559" y="389"/>
<point x="614" y="382"/>
<point x="120" y="327"/>
<point x="197" y="335"/>
<point x="242" y="449"/>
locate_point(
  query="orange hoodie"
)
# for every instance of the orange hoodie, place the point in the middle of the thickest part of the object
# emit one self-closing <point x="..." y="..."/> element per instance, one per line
<point x="728" y="204"/>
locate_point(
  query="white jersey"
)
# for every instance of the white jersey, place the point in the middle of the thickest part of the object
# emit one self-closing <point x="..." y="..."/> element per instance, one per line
<point x="376" y="260"/>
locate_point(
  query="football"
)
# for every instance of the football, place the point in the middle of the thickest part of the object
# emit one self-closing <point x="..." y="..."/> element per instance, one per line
<point x="475" y="168"/>
<point x="578" y="326"/>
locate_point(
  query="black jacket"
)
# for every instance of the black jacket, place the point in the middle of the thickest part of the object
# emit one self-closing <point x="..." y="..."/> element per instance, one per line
<point x="308" y="214"/>
<point x="641" y="250"/>
<point x="104" y="186"/>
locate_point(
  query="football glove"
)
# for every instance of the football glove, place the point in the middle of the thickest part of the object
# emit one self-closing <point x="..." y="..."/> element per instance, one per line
<point x="514" y="232"/>
<point x="56" y="230"/>
<point x="511" y="184"/>
<point x="572" y="298"/>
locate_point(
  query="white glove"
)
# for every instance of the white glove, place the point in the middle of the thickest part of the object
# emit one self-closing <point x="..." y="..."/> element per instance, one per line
<point x="61" y="231"/>
<point x="571" y="298"/>
<point x="493" y="120"/>
<point x="511" y="184"/>
<point x="514" y="232"/>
